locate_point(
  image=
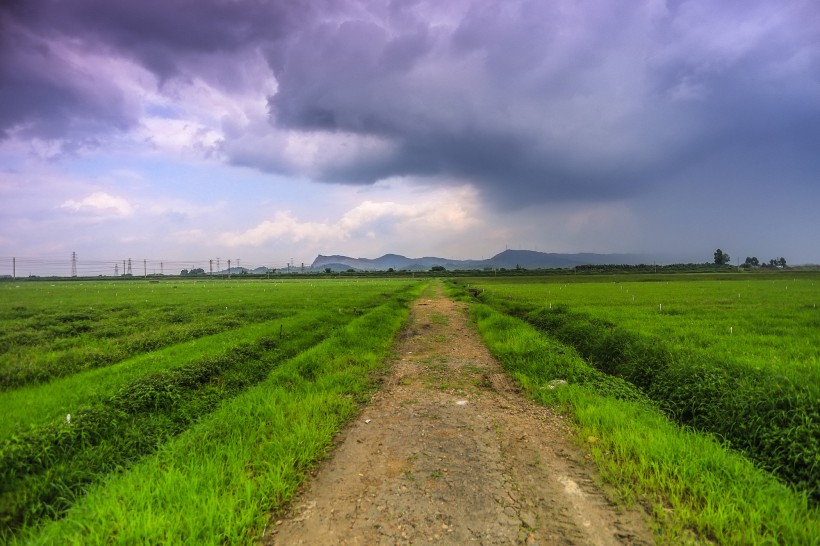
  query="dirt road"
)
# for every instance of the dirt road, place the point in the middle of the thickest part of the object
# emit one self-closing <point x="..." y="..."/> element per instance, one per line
<point x="449" y="452"/>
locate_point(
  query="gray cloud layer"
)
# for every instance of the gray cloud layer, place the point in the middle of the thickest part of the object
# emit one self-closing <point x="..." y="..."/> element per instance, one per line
<point x="528" y="100"/>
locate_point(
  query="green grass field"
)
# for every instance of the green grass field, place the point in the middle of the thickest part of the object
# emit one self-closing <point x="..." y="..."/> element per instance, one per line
<point x="733" y="359"/>
<point x="151" y="374"/>
<point x="197" y="407"/>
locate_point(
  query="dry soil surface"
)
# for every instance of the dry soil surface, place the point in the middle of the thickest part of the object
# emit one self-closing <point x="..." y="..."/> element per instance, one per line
<point x="449" y="452"/>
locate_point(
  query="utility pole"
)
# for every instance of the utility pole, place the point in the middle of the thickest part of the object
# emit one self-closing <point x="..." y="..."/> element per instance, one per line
<point x="73" y="264"/>
<point x="145" y="268"/>
<point x="123" y="268"/>
<point x="218" y="268"/>
<point x="14" y="268"/>
<point x="211" y="267"/>
<point x="162" y="268"/>
<point x="229" y="268"/>
<point x="129" y="272"/>
<point x="116" y="270"/>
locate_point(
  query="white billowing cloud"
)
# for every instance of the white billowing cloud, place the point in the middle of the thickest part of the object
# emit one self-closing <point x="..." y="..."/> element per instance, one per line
<point x="444" y="211"/>
<point x="101" y="204"/>
<point x="179" y="135"/>
<point x="195" y="114"/>
<point x="283" y="224"/>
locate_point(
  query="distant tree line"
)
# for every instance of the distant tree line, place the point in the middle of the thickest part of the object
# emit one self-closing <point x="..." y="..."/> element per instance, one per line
<point x="754" y="262"/>
<point x="647" y="268"/>
<point x="192" y="273"/>
<point x="722" y="258"/>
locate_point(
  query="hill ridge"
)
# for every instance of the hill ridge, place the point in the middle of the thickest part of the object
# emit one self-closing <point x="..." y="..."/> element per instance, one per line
<point x="509" y="258"/>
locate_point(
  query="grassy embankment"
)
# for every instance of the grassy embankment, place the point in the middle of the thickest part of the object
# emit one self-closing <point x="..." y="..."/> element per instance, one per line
<point x="48" y="469"/>
<point x="692" y="480"/>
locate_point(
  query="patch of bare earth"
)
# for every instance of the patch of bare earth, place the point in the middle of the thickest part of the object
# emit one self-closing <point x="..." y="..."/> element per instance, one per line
<point x="449" y="452"/>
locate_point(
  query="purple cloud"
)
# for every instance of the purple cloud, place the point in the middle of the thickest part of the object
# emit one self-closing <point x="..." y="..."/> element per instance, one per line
<point x="529" y="101"/>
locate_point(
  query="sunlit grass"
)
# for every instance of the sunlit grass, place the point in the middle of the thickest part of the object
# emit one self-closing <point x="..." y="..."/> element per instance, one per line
<point x="694" y="485"/>
<point x="123" y="412"/>
<point x="217" y="482"/>
<point x="697" y="348"/>
<point x="37" y="404"/>
<point x="51" y="330"/>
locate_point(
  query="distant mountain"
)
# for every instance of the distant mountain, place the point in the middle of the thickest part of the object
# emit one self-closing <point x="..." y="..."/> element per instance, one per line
<point x="509" y="259"/>
<point x="239" y="270"/>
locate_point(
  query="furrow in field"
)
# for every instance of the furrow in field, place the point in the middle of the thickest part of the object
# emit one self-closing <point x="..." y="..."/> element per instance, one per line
<point x="215" y="483"/>
<point x="43" y="471"/>
<point x="34" y="405"/>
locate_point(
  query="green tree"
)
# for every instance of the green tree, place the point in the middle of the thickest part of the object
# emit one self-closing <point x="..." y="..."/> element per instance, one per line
<point x="721" y="258"/>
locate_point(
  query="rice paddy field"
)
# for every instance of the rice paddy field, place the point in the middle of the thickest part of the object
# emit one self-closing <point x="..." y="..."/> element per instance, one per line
<point x="729" y="362"/>
<point x="178" y="411"/>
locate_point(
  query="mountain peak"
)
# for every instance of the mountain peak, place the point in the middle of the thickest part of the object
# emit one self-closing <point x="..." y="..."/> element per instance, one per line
<point x="509" y="258"/>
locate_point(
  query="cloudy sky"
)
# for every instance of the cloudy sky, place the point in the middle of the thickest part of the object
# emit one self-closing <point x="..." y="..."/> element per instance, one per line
<point x="270" y="131"/>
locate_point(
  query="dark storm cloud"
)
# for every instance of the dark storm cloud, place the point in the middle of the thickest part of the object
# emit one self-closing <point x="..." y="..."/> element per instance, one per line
<point x="46" y="97"/>
<point x="555" y="100"/>
<point x="49" y="94"/>
<point x="528" y="100"/>
<point x="158" y="33"/>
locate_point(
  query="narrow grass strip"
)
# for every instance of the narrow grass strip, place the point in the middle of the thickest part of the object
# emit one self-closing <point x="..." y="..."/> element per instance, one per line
<point x="217" y="482"/>
<point x="697" y="488"/>
<point x="38" y="404"/>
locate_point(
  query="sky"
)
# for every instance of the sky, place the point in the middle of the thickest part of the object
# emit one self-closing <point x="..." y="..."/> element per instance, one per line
<point x="267" y="132"/>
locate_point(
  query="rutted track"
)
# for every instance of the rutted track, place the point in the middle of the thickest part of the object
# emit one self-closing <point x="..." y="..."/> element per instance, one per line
<point x="450" y="452"/>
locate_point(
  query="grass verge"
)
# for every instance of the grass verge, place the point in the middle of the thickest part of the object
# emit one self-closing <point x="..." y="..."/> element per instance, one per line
<point x="694" y="486"/>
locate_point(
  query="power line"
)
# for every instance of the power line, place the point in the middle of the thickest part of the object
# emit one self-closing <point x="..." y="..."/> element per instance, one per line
<point x="55" y="266"/>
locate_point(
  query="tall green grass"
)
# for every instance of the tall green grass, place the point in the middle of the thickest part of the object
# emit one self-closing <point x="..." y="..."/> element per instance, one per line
<point x="43" y="471"/>
<point x="695" y="487"/>
<point x="37" y="404"/>
<point x="770" y="322"/>
<point x="772" y="420"/>
<point x="217" y="482"/>
<point x="52" y="330"/>
<point x="122" y="413"/>
<point x="697" y="348"/>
